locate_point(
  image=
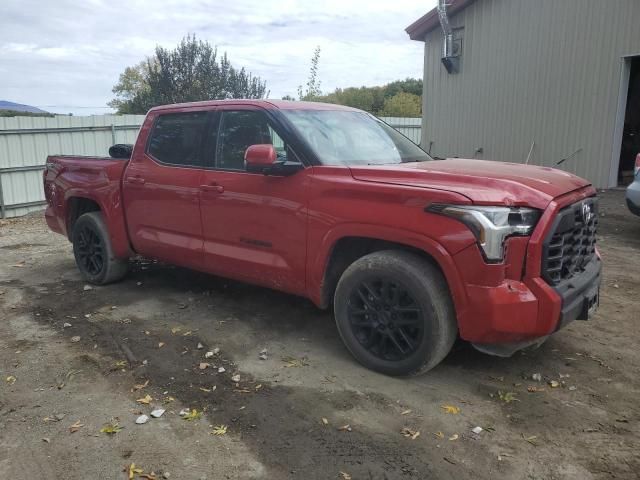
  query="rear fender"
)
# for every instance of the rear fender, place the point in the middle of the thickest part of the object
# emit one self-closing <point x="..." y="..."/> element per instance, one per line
<point x="112" y="212"/>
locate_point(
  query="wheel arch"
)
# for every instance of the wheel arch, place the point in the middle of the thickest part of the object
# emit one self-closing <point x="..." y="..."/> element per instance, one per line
<point x="79" y="203"/>
<point x="343" y="249"/>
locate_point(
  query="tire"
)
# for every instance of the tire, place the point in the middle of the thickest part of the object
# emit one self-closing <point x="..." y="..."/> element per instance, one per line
<point x="93" y="251"/>
<point x="414" y="311"/>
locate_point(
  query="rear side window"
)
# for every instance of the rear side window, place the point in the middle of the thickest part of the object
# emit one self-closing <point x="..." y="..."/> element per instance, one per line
<point x="176" y="138"/>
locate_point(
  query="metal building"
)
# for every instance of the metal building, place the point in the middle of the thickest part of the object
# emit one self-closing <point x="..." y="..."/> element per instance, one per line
<point x="543" y="80"/>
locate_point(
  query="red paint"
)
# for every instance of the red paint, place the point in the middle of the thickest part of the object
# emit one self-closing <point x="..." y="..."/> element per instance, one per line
<point x="260" y="155"/>
<point x="280" y="232"/>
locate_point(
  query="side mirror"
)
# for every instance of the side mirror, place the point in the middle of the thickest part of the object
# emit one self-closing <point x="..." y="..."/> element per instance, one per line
<point x="262" y="158"/>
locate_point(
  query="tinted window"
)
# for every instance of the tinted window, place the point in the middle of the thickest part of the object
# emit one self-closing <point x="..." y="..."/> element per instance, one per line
<point x="177" y="138"/>
<point x="241" y="129"/>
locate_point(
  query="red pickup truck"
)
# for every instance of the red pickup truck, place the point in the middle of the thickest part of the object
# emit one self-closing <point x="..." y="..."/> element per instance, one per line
<point x="332" y="204"/>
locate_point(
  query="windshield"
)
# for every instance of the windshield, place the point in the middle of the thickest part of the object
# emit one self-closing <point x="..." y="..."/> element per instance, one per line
<point x="353" y="138"/>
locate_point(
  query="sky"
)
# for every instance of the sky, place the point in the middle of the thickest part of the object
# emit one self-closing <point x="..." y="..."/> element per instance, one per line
<point x="64" y="56"/>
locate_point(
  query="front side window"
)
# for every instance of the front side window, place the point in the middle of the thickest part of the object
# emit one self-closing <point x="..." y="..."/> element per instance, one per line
<point x="238" y="131"/>
<point x="176" y="138"/>
<point x="340" y="137"/>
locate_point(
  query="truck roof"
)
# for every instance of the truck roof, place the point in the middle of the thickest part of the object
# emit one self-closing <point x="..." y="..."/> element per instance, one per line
<point x="268" y="104"/>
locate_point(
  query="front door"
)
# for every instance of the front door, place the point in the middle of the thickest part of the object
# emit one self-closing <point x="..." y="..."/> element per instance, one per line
<point x="161" y="190"/>
<point x="254" y="226"/>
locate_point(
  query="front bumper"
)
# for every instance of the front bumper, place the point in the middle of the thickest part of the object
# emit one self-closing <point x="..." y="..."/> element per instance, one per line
<point x="511" y="304"/>
<point x="581" y="294"/>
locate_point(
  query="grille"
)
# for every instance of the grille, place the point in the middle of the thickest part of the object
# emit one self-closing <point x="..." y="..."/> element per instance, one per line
<point x="571" y="244"/>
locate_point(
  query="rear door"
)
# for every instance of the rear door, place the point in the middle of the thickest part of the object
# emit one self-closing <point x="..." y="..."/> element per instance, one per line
<point x="254" y="226"/>
<point x="161" y="189"/>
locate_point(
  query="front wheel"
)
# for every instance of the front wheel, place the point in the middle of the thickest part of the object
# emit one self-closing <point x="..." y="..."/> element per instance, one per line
<point x="394" y="313"/>
<point x="93" y="252"/>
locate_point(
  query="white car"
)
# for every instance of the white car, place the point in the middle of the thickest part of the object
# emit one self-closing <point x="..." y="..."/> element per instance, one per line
<point x="633" y="190"/>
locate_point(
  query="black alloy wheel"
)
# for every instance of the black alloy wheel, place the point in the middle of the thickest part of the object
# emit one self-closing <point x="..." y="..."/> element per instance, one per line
<point x="386" y="319"/>
<point x="90" y="250"/>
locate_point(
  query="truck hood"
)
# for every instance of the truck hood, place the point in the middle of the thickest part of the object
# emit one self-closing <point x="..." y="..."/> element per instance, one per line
<point x="483" y="182"/>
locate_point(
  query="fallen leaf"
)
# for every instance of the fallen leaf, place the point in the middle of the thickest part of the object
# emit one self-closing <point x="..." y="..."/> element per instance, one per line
<point x="531" y="439"/>
<point x="46" y="440"/>
<point x="192" y="415"/>
<point x="235" y="378"/>
<point x="175" y="330"/>
<point x="120" y="364"/>
<point x="204" y="365"/>
<point x="507" y="397"/>
<point x="111" y="428"/>
<point x="533" y="389"/>
<point x="345" y="428"/>
<point x="160" y="344"/>
<point x="206" y="390"/>
<point x="146" y="400"/>
<point x="219" y="430"/>
<point x="76" y="426"/>
<point x="439" y="435"/>
<point x="11" y="379"/>
<point x="406" y="412"/>
<point x="140" y="386"/>
<point x="325" y="421"/>
<point x="292" y="362"/>
<point x="258" y="387"/>
<point x="75" y="338"/>
<point x="345" y="476"/>
<point x="412" y="434"/>
<point x="453" y="437"/>
<point x="451" y="409"/>
<point x="168" y="400"/>
<point x="554" y="383"/>
<point x="186" y="334"/>
<point x="132" y="471"/>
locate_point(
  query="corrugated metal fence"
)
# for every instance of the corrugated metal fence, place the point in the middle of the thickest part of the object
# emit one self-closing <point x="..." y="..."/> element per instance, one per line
<point x="25" y="143"/>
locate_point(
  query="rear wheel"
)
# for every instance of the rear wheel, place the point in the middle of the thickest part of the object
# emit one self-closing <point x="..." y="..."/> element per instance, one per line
<point x="93" y="252"/>
<point x="394" y="313"/>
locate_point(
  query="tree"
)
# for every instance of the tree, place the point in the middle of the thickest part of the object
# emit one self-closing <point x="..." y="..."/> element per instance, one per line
<point x="402" y="104"/>
<point x="378" y="100"/>
<point x="192" y="71"/>
<point x="408" y="85"/>
<point x="132" y="86"/>
<point x="313" y="84"/>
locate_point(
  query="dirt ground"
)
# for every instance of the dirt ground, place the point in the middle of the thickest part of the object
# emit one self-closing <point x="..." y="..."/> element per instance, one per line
<point x="286" y="414"/>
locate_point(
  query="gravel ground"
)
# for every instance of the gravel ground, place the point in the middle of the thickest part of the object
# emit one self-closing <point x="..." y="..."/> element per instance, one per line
<point x="305" y="409"/>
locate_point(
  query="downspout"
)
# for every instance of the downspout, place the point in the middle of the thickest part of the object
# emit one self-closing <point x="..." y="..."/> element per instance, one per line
<point x="449" y="60"/>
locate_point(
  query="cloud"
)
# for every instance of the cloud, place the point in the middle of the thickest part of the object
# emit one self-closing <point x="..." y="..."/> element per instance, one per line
<point x="70" y="54"/>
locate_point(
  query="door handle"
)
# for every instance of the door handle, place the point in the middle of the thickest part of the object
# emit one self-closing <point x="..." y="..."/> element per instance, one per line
<point x="213" y="187"/>
<point x="136" y="180"/>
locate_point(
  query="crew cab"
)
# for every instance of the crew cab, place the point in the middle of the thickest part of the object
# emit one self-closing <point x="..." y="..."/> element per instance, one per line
<point x="330" y="203"/>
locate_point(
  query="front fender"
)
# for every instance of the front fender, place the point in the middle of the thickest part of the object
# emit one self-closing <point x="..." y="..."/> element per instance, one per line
<point x="317" y="264"/>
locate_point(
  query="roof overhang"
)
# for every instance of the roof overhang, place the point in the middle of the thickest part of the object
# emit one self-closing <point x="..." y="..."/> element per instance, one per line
<point x="425" y="24"/>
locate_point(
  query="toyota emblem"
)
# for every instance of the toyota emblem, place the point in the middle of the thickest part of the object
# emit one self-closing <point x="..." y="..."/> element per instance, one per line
<point x="587" y="212"/>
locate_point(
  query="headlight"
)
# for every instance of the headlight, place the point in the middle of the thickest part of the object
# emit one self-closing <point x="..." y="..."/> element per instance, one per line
<point x="492" y="225"/>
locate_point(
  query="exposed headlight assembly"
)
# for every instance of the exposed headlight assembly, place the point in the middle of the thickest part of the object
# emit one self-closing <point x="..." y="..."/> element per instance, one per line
<point x="491" y="225"/>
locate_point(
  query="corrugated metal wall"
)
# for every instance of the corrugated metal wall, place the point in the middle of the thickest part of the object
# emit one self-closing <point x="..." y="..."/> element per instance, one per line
<point x="544" y="71"/>
<point x="25" y="143"/>
<point x="409" y="127"/>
